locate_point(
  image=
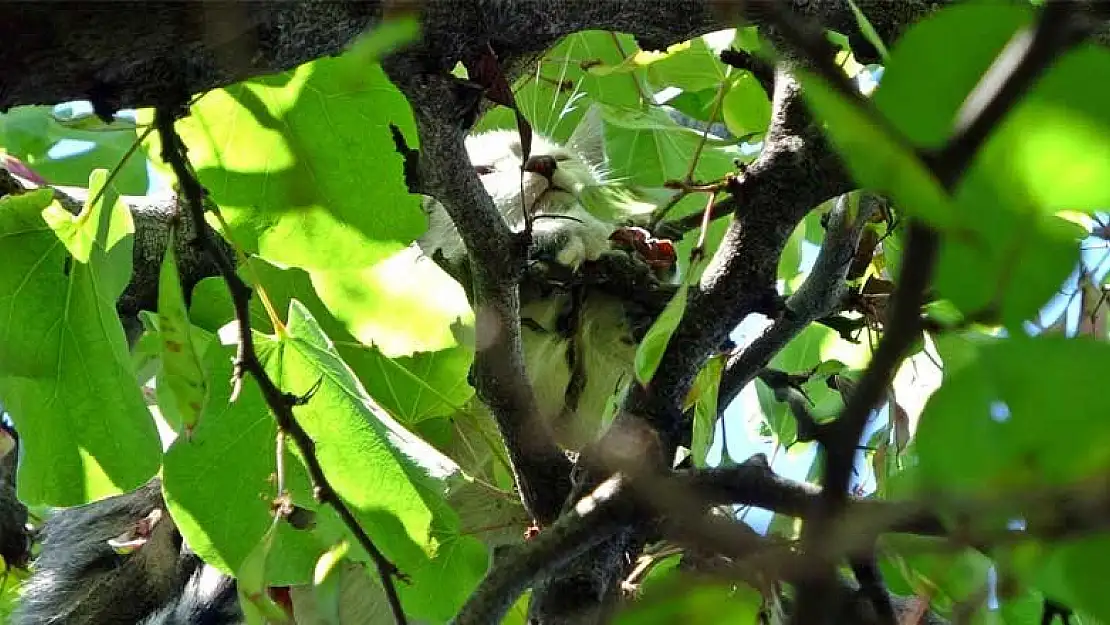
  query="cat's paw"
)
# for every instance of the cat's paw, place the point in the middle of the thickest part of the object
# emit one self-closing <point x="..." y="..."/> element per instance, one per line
<point x="568" y="240"/>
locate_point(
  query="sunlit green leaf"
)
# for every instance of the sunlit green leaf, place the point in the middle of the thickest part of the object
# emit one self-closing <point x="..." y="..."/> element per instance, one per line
<point x="413" y="388"/>
<point x="581" y="69"/>
<point x="649" y="148"/>
<point x="691" y="66"/>
<point x="219" y="484"/>
<point x="303" y="166"/>
<point x="65" y="372"/>
<point x="392" y="480"/>
<point x="746" y="109"/>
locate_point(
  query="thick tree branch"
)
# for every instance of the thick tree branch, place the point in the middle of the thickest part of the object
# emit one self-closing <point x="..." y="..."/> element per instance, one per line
<point x="497" y="260"/>
<point x="139" y="54"/>
<point x="796" y="171"/>
<point x="131" y="53"/>
<point x="818" y="296"/>
<point x="593" y="520"/>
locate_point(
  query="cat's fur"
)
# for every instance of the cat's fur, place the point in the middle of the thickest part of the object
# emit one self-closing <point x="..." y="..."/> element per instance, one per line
<point x="578" y="344"/>
<point x="83" y="577"/>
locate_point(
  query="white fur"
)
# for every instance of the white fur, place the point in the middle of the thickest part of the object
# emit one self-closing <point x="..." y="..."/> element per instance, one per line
<point x="498" y="153"/>
<point x="602" y="341"/>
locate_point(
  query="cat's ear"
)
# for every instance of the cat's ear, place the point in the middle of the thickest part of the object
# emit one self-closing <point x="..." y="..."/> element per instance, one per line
<point x="588" y="138"/>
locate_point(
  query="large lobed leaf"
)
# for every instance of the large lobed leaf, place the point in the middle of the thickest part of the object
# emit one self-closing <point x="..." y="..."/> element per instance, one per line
<point x="303" y="167"/>
<point x="65" y="372"/>
<point x="414" y="388"/>
<point x="393" y="481"/>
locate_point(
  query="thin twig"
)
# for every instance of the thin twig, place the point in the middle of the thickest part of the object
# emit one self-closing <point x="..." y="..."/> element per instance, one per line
<point x="247" y="361"/>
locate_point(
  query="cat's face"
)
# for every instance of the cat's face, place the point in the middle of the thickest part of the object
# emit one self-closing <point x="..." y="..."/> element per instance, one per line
<point x="555" y="175"/>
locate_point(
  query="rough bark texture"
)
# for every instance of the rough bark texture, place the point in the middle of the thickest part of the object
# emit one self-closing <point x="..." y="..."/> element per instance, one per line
<point x="144" y="53"/>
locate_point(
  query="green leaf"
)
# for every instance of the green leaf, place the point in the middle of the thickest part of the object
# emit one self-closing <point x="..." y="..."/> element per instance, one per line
<point x="327" y="580"/>
<point x="594" y="49"/>
<point x="927" y="79"/>
<point x="814" y="345"/>
<point x="385" y="473"/>
<point x="1032" y="155"/>
<point x="648" y="148"/>
<point x="996" y="425"/>
<point x="869" y="31"/>
<point x="690" y="65"/>
<point x="1012" y="263"/>
<point x="414" y="388"/>
<point x="747" y="39"/>
<point x="790" y="261"/>
<point x="182" y="374"/>
<point x="1072" y="572"/>
<point x="219" y="484"/>
<point x="649" y="353"/>
<point x="1024" y="174"/>
<point x="10" y="591"/>
<point x="386" y="37"/>
<point x="746" y="108"/>
<point x="29" y="133"/>
<point x="704" y="393"/>
<point x="302" y="164"/>
<point x="402" y="305"/>
<point x="931" y="569"/>
<point x="712" y="604"/>
<point x="696" y="104"/>
<point x="300" y="189"/>
<point x="877" y="156"/>
<point x="251" y="579"/>
<point x="581" y="69"/>
<point x="65" y="372"/>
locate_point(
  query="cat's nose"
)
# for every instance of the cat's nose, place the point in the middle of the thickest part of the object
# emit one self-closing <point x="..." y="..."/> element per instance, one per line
<point x="541" y="164"/>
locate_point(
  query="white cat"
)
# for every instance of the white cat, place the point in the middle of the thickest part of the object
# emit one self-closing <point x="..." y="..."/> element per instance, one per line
<point x="578" y="346"/>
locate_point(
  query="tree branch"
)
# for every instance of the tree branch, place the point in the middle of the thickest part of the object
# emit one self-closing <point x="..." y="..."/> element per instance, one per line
<point x="246" y="361"/>
<point x="1025" y="58"/>
<point x="795" y="172"/>
<point x="818" y="296"/>
<point x="498" y="256"/>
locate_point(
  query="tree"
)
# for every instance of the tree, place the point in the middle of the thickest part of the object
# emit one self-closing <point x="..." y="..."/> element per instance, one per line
<point x="948" y="207"/>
